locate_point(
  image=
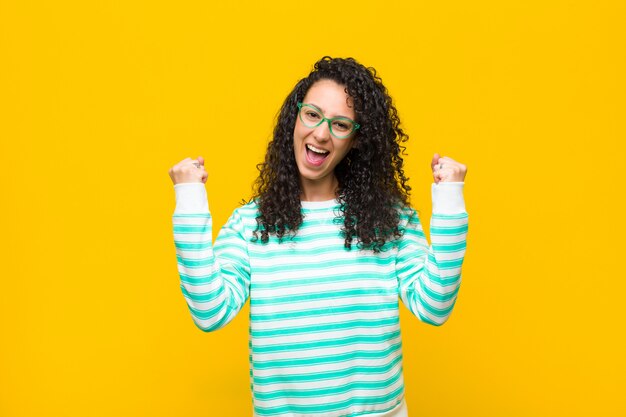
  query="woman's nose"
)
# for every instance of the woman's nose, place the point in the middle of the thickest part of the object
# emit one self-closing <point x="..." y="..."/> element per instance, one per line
<point x="322" y="132"/>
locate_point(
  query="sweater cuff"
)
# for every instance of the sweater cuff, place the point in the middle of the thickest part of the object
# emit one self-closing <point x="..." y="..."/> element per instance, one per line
<point x="191" y="198"/>
<point x="448" y="198"/>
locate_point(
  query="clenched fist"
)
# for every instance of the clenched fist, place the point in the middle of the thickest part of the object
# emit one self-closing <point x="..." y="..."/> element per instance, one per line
<point x="189" y="170"/>
<point x="447" y="169"/>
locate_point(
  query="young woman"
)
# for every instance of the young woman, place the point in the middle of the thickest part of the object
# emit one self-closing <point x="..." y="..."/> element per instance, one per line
<point x="324" y="250"/>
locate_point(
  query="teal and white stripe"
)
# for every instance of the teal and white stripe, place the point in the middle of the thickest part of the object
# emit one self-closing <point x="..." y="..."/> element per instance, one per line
<point x="324" y="323"/>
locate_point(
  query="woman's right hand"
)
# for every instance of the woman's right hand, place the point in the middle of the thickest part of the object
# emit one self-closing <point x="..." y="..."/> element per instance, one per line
<point x="189" y="170"/>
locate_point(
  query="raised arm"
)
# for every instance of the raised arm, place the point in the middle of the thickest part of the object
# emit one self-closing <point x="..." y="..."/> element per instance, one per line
<point x="215" y="279"/>
<point x="429" y="276"/>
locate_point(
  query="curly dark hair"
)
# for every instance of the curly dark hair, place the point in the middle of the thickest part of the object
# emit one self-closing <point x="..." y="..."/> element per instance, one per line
<point x="372" y="184"/>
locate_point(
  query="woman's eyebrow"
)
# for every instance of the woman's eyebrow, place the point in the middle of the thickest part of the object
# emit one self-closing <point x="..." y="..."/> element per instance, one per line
<point x="321" y="110"/>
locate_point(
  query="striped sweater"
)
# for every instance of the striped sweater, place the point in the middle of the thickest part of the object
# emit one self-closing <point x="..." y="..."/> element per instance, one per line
<point x="324" y="323"/>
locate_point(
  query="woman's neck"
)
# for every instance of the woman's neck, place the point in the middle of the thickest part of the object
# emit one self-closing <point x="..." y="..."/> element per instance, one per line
<point x="319" y="190"/>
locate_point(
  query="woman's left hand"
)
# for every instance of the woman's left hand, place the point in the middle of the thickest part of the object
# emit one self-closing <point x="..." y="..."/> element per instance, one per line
<point x="447" y="169"/>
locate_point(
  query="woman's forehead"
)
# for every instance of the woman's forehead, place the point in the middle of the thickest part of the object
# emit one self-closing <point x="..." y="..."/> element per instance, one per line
<point x="331" y="98"/>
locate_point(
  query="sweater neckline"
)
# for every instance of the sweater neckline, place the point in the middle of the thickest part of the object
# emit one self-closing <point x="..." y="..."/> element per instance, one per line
<point x="319" y="204"/>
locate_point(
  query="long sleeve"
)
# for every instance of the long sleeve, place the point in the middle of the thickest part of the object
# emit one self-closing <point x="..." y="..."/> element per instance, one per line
<point x="214" y="278"/>
<point x="429" y="276"/>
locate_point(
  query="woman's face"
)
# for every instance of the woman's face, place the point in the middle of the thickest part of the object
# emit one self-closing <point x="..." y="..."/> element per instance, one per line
<point x="317" y="151"/>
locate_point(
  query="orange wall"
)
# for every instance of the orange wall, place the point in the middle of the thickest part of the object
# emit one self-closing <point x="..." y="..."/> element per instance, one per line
<point x="99" y="99"/>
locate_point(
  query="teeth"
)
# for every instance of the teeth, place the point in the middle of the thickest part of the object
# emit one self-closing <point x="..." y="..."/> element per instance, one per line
<point x="314" y="149"/>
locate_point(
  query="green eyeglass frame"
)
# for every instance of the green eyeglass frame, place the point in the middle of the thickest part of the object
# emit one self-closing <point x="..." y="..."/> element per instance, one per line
<point x="354" y="124"/>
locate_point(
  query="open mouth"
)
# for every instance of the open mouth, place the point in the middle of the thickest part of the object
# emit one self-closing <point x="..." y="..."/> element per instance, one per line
<point x="315" y="155"/>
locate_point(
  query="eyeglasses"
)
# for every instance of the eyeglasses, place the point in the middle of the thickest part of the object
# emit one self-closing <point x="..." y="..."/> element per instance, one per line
<point x="340" y="127"/>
